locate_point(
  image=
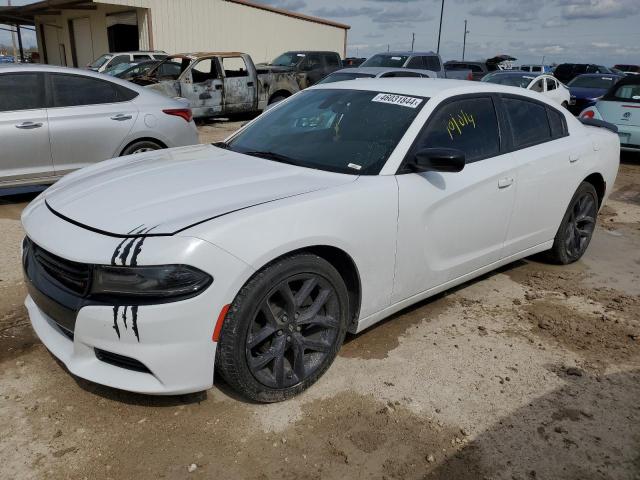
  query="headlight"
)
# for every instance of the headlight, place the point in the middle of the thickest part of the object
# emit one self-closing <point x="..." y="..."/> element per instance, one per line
<point x="147" y="282"/>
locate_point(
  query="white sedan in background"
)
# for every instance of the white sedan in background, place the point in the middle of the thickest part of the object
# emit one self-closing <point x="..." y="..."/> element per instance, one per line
<point x="547" y="85"/>
<point x="56" y="120"/>
<point x="338" y="207"/>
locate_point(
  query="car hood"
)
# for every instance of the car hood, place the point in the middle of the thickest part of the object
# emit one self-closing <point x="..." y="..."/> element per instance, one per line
<point x="168" y="191"/>
<point x="581" y="92"/>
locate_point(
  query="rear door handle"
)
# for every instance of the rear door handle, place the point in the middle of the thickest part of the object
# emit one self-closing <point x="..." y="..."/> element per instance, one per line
<point x="573" y="158"/>
<point x="505" y="182"/>
<point x="250" y="84"/>
<point x="28" y="125"/>
<point x="218" y="87"/>
<point x="121" y="117"/>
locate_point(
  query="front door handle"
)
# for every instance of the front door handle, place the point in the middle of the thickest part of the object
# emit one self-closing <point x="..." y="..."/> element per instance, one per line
<point x="121" y="117"/>
<point x="505" y="182"/>
<point x="573" y="158"/>
<point x="218" y="87"/>
<point x="28" y="125"/>
<point x="250" y="84"/>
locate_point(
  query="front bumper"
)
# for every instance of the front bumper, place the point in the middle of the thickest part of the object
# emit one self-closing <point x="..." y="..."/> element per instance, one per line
<point x="170" y="350"/>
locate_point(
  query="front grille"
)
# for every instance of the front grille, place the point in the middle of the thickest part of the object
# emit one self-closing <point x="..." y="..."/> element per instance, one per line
<point x="73" y="276"/>
<point x="120" y="361"/>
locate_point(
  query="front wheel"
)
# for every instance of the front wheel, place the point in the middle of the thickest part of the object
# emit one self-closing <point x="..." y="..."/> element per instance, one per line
<point x="578" y="224"/>
<point x="284" y="328"/>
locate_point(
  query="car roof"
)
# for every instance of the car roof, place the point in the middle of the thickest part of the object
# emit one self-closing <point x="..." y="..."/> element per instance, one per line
<point x="421" y="88"/>
<point x="37" y="67"/>
<point x="600" y="75"/>
<point x="407" y="53"/>
<point x="379" y="70"/>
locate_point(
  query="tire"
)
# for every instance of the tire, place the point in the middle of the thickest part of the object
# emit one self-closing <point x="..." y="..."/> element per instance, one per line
<point x="141" y="146"/>
<point x="263" y="353"/>
<point x="579" y="221"/>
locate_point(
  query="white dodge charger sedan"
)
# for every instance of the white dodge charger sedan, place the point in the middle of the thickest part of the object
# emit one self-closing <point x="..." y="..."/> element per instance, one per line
<point x="340" y="206"/>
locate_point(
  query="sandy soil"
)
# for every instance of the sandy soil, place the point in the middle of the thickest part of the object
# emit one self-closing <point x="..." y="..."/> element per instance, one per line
<point x="531" y="372"/>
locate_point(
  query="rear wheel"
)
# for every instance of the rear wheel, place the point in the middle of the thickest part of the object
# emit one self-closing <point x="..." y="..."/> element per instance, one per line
<point x="283" y="329"/>
<point x="578" y="224"/>
<point x="141" y="146"/>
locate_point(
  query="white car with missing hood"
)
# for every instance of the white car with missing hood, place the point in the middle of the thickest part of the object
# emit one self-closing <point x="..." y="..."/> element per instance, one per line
<point x="342" y="205"/>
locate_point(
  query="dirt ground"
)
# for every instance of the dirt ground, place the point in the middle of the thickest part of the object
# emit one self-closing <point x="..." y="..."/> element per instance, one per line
<point x="531" y="372"/>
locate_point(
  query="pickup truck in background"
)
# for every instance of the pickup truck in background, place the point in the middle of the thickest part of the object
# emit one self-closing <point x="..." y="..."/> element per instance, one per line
<point x="217" y="84"/>
<point x="312" y="66"/>
<point x="418" y="61"/>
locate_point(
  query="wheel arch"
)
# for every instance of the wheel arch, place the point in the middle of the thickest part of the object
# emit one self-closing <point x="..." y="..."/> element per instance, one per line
<point x="142" y="139"/>
<point x="597" y="180"/>
<point x="346" y="267"/>
<point x="279" y="93"/>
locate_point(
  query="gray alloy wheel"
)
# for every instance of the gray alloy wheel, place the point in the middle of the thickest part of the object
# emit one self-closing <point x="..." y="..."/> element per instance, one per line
<point x="578" y="225"/>
<point x="284" y="328"/>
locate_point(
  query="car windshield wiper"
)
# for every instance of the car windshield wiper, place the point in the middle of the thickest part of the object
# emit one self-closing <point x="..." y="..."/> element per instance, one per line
<point x="273" y="156"/>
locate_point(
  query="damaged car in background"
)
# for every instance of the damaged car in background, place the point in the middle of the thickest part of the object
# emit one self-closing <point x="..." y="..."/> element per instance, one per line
<point x="219" y="84"/>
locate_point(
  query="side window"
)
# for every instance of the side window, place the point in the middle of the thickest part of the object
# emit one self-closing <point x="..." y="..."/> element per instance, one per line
<point x="26" y="89"/>
<point x="468" y="125"/>
<point x="528" y="120"/>
<point x="234" y="67"/>
<point x="475" y="68"/>
<point x="432" y="63"/>
<point x="76" y="90"/>
<point x="538" y="86"/>
<point x="332" y="60"/>
<point x="416" y="62"/>
<point x="118" y="59"/>
<point x="557" y="123"/>
<point x="313" y="61"/>
<point x="551" y="84"/>
<point x="204" y="70"/>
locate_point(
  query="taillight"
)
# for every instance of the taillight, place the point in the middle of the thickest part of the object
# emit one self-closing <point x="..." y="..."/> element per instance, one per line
<point x="470" y="76"/>
<point x="588" y="114"/>
<point x="184" y="113"/>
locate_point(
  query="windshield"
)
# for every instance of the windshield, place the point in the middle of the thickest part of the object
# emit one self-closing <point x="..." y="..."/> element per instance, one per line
<point x="339" y="77"/>
<point x="346" y="131"/>
<point x="288" y="59"/>
<point x="512" y="80"/>
<point x="119" y="68"/>
<point x="602" y="82"/>
<point x="101" y="60"/>
<point x="384" y="60"/>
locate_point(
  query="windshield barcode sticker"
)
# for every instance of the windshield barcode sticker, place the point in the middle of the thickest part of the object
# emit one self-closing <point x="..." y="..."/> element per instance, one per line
<point x="401" y="100"/>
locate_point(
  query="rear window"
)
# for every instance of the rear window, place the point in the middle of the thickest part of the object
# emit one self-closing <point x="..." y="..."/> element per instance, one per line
<point x="597" y="81"/>
<point x="433" y="63"/>
<point x="386" y="61"/>
<point x="339" y="77"/>
<point x="528" y="120"/>
<point x="628" y="93"/>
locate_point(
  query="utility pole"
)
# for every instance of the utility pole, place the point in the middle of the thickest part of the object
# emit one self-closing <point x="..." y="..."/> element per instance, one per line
<point x="440" y="29"/>
<point x="413" y="40"/>
<point x="464" y="41"/>
<point x="388" y="47"/>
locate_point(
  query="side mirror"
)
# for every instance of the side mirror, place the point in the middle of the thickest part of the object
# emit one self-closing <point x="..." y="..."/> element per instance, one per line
<point x="438" y="160"/>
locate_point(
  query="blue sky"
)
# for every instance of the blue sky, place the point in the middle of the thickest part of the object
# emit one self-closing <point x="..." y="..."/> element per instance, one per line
<point x="598" y="31"/>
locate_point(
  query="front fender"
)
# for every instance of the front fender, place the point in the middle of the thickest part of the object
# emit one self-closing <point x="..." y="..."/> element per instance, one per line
<point x="359" y="218"/>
